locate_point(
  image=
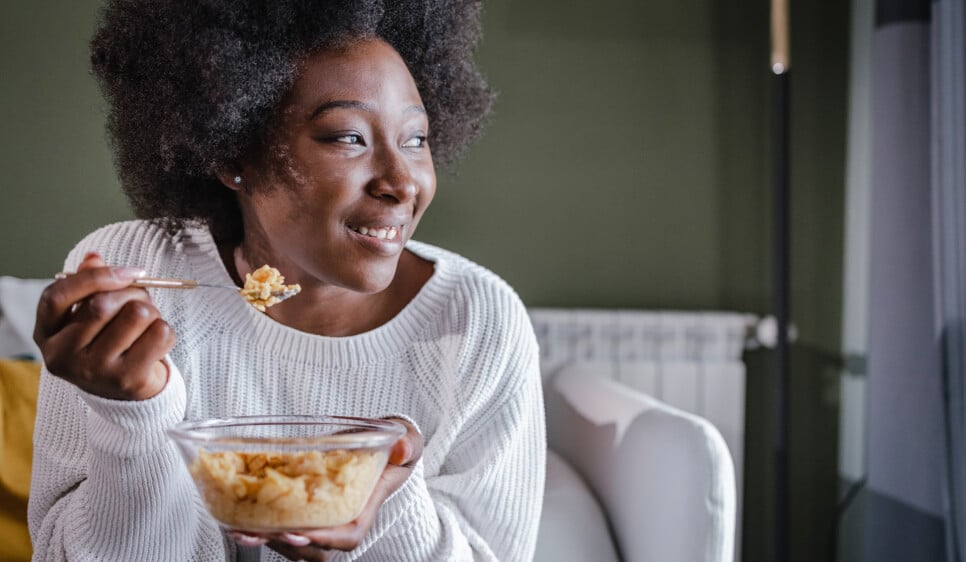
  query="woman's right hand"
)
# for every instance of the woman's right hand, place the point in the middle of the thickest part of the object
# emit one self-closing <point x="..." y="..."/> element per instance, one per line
<point x="101" y="334"/>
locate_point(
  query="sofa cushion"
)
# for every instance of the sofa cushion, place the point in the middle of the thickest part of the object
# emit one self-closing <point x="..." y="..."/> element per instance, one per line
<point x="18" y="405"/>
<point x="572" y="526"/>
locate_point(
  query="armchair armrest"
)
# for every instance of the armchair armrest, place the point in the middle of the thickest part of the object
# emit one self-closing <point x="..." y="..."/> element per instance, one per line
<point x="664" y="477"/>
<point x="18" y="310"/>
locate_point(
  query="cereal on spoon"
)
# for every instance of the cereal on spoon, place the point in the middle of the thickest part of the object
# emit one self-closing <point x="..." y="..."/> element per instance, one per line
<point x="263" y="286"/>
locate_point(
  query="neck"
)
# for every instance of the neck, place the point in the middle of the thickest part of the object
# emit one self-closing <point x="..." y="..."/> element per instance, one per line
<point x="335" y="312"/>
<point x="329" y="310"/>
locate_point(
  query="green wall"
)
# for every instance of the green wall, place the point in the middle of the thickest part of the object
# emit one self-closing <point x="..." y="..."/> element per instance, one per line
<point x="57" y="177"/>
<point x="592" y="186"/>
<point x="626" y="165"/>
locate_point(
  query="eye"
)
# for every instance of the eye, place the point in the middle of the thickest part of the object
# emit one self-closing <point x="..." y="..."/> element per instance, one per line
<point x="348" y="139"/>
<point x="415" y="142"/>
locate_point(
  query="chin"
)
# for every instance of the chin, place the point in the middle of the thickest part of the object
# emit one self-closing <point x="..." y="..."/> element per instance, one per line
<point x="374" y="281"/>
<point x="371" y="288"/>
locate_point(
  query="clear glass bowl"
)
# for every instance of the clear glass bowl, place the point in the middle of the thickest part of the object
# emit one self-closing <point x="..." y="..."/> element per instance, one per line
<point x="285" y="473"/>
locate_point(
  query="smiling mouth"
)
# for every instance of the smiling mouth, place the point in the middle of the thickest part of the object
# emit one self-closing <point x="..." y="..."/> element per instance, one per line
<point x="382" y="232"/>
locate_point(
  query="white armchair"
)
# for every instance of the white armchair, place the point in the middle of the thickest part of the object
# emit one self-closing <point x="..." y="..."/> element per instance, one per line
<point x="631" y="478"/>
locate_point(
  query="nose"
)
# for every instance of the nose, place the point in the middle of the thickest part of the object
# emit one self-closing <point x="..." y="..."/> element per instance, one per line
<point x="393" y="178"/>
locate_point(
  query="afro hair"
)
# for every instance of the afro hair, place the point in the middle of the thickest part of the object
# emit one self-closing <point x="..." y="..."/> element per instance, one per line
<point x="192" y="85"/>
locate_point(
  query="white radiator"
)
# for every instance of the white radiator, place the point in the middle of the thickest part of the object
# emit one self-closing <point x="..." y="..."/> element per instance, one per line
<point x="690" y="360"/>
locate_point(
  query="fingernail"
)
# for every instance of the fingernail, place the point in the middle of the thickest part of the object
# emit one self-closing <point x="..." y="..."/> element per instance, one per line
<point x="128" y="273"/>
<point x="248" y="540"/>
<point x="296" y="540"/>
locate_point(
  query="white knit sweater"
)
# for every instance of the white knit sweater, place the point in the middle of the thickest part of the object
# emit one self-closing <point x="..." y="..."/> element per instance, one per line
<point x="460" y="360"/>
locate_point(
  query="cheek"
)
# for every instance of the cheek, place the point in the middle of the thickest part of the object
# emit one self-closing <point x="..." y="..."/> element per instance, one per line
<point x="310" y="196"/>
<point x="427" y="182"/>
<point x="281" y="213"/>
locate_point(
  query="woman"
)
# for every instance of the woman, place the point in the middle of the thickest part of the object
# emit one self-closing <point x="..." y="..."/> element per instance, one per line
<point x="295" y="134"/>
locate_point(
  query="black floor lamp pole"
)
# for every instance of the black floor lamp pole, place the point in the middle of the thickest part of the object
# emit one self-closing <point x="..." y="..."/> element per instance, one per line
<point x="780" y="273"/>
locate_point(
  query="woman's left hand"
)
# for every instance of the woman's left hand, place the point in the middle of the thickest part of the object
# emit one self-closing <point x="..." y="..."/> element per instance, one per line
<point x="316" y="545"/>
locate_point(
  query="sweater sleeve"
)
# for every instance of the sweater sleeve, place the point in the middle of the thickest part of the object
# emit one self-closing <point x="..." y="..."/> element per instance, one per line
<point x="484" y="501"/>
<point x="106" y="482"/>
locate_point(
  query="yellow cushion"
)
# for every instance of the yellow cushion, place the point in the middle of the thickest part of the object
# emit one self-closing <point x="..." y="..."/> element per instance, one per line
<point x="18" y="408"/>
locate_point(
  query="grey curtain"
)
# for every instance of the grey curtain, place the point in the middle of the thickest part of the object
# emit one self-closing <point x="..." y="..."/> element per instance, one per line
<point x="948" y="82"/>
<point x="916" y="485"/>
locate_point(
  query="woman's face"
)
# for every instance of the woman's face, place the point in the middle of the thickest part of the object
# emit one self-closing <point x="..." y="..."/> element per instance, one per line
<point x="354" y="175"/>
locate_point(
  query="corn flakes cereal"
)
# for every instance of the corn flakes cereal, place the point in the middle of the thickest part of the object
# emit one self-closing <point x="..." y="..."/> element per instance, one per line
<point x="273" y="491"/>
<point x="263" y="286"/>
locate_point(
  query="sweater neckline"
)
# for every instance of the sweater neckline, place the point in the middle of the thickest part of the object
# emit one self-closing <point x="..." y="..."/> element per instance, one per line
<point x="231" y="314"/>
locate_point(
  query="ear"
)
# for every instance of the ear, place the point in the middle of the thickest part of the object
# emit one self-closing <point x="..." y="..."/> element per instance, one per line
<point x="231" y="176"/>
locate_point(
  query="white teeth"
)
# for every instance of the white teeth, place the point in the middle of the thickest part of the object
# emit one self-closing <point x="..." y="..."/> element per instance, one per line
<point x="385" y="233"/>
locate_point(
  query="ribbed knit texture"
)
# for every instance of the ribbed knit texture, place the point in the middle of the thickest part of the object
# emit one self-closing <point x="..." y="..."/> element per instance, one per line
<point x="460" y="361"/>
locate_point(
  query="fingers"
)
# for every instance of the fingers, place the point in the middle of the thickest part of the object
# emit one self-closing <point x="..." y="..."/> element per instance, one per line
<point x="290" y="545"/>
<point x="245" y="539"/>
<point x="409" y="449"/>
<point x="155" y="342"/>
<point x="295" y="539"/>
<point x="349" y="536"/>
<point x="91" y="260"/>
<point x="101" y="334"/>
<point x="131" y="329"/>
<point x="298" y="547"/>
<point x="94" y="314"/>
<point x="98" y="328"/>
<point x="58" y="299"/>
<point x="315" y="545"/>
<point x="401" y="452"/>
<point x="402" y="457"/>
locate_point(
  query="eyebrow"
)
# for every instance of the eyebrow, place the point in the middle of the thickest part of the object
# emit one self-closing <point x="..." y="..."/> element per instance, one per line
<point x="353" y="104"/>
<point x="340" y="104"/>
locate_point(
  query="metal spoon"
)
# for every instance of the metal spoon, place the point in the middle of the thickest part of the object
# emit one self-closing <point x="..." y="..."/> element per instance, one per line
<point x="168" y="283"/>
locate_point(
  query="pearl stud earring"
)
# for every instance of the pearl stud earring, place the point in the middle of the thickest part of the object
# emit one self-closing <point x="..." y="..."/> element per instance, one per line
<point x="237" y="180"/>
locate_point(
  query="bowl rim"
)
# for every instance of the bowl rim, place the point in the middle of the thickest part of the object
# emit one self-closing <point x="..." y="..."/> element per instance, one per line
<point x="375" y="432"/>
